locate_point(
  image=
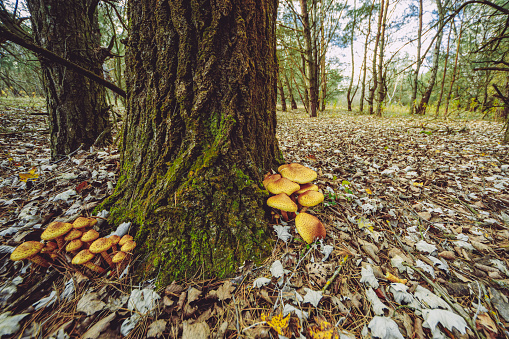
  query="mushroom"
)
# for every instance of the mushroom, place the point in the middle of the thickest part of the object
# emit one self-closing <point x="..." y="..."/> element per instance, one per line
<point x="83" y="258"/>
<point x="282" y="185"/>
<point x="101" y="245"/>
<point x="89" y="236"/>
<point x="309" y="227"/>
<point x="83" y="223"/>
<point x="297" y="173"/>
<point x="74" y="246"/>
<point x="270" y="178"/>
<point x="307" y="187"/>
<point x="125" y="239"/>
<point x="128" y="246"/>
<point x="114" y="240"/>
<point x="56" y="231"/>
<point x="309" y="199"/>
<point x="29" y="250"/>
<point x="283" y="203"/>
<point x="73" y="234"/>
<point x="118" y="260"/>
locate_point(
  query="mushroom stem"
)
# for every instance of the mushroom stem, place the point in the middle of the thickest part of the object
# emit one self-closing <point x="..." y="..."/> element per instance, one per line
<point x="37" y="259"/>
<point x="285" y="215"/>
<point x="107" y="258"/>
<point x="94" y="267"/>
<point x="60" y="242"/>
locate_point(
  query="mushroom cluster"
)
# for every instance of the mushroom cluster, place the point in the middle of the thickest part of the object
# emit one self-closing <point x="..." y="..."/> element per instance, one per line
<point x="81" y="242"/>
<point x="294" y="193"/>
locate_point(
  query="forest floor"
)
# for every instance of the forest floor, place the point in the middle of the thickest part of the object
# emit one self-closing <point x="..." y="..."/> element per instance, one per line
<point x="417" y="220"/>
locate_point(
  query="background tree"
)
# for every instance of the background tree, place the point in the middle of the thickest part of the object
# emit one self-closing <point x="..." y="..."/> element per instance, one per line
<point x="77" y="108"/>
<point x="200" y="133"/>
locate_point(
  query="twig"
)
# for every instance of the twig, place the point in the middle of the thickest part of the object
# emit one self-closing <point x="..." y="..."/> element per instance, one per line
<point x="336" y="273"/>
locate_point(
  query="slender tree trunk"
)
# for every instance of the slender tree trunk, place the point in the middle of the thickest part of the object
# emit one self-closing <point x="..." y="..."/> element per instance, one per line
<point x="199" y="136"/>
<point x="349" y="96"/>
<point x="364" y="62"/>
<point x="281" y="93"/>
<point x="423" y="104"/>
<point x="382" y="87"/>
<point x="453" y="78"/>
<point x="310" y="60"/>
<point x="290" y="92"/>
<point x="372" y="89"/>
<point x="446" y="61"/>
<point x="413" y="100"/>
<point x="78" y="113"/>
<point x="506" y="112"/>
<point x="323" y="73"/>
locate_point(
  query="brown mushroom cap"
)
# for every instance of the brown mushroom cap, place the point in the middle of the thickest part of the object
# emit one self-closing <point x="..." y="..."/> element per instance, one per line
<point x="282" y="185"/>
<point x="310" y="198"/>
<point x="90" y="236"/>
<point x="73" y="234"/>
<point x="125" y="239"/>
<point x="118" y="257"/>
<point x="29" y="250"/>
<point x="114" y="239"/>
<point x="282" y="202"/>
<point x="128" y="246"/>
<point x="309" y="227"/>
<point x="74" y="245"/>
<point x="26" y="250"/>
<point x="270" y="178"/>
<point x="307" y="187"/>
<point x="297" y="173"/>
<point x="83" y="222"/>
<point x="56" y="230"/>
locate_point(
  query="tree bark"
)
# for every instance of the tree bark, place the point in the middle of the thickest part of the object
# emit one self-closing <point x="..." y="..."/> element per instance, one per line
<point x="200" y="134"/>
<point x="310" y="60"/>
<point x="78" y="112"/>
<point x="446" y="61"/>
<point x="381" y="74"/>
<point x="350" y="93"/>
<point x="364" y="62"/>
<point x="372" y="89"/>
<point x="293" y="103"/>
<point x="453" y="76"/>
<point x="423" y="104"/>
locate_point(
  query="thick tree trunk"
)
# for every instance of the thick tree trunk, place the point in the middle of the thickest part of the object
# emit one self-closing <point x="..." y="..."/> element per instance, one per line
<point x="423" y="104"/>
<point x="78" y="113"/>
<point x="199" y="134"/>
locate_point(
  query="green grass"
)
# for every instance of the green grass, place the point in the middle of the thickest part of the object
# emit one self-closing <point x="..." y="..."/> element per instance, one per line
<point x="33" y="102"/>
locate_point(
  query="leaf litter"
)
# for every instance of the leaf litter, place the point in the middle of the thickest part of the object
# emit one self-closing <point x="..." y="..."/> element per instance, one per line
<point x="417" y="230"/>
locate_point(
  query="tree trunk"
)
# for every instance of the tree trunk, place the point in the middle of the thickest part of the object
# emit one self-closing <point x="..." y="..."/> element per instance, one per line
<point x="381" y="74"/>
<point x="364" y="62"/>
<point x="293" y="103"/>
<point x="310" y="60"/>
<point x="372" y="89"/>
<point x="453" y="76"/>
<point x="349" y="96"/>
<point x="78" y="113"/>
<point x="423" y="104"/>
<point x="281" y="93"/>
<point x="200" y="134"/>
<point x="413" y="100"/>
<point x="323" y="73"/>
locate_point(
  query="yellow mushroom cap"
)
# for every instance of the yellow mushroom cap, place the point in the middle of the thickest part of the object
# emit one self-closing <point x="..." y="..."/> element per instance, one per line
<point x="310" y="198"/>
<point x="297" y="173"/>
<point x="309" y="227"/>
<point x="114" y="239"/>
<point x="282" y="185"/>
<point x="74" y="234"/>
<point x="83" y="257"/>
<point x="89" y="236"/>
<point x="100" y="245"/>
<point x="55" y="230"/>
<point x="282" y="202"/>
<point x="307" y="187"/>
<point x="125" y="239"/>
<point x="26" y="250"/>
<point x="83" y="222"/>
<point x="128" y="246"/>
<point x="270" y="178"/>
<point x="118" y="257"/>
<point x="74" y="245"/>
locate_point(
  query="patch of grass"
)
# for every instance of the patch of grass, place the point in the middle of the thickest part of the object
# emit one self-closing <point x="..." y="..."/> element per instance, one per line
<point x="22" y="102"/>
